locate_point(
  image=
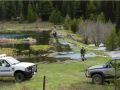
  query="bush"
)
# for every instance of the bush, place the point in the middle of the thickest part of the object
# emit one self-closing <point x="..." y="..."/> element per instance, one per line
<point x="8" y="51"/>
<point x="74" y="25"/>
<point x="67" y="22"/>
<point x="40" y="49"/>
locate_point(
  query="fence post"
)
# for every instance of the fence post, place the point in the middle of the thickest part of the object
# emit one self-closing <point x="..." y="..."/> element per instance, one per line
<point x="115" y="79"/>
<point x="44" y="82"/>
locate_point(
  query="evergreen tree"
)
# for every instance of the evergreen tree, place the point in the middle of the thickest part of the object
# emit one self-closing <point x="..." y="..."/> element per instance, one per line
<point x="3" y="10"/>
<point x="56" y="17"/>
<point x="32" y="16"/>
<point x="118" y="39"/>
<point x="67" y="22"/>
<point x="92" y="17"/>
<point x="80" y="19"/>
<point x="74" y="25"/>
<point x="44" y="9"/>
<point x="91" y="9"/>
<point x="20" y="11"/>
<point x="101" y="18"/>
<point x="111" y="42"/>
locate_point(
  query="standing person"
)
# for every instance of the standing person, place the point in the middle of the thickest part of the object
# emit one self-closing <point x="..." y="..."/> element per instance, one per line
<point x="54" y="34"/>
<point x="82" y="52"/>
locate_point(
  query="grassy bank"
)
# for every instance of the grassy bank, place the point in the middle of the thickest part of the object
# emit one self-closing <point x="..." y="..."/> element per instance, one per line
<point x="12" y="25"/>
<point x="60" y="76"/>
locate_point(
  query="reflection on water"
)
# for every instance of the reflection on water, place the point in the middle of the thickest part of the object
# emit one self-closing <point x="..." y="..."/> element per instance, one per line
<point x="14" y="35"/>
<point x="73" y="55"/>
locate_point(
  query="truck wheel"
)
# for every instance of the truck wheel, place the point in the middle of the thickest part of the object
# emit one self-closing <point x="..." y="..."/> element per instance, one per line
<point x="19" y="77"/>
<point x="97" y="79"/>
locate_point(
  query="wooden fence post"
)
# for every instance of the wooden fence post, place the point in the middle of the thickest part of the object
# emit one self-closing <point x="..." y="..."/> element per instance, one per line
<point x="44" y="82"/>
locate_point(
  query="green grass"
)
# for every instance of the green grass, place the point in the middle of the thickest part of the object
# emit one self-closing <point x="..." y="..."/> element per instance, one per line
<point x="11" y="26"/>
<point x="67" y="74"/>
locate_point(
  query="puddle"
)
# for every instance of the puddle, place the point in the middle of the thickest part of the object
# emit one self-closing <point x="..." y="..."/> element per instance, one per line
<point x="72" y="55"/>
<point x="114" y="53"/>
<point x="101" y="48"/>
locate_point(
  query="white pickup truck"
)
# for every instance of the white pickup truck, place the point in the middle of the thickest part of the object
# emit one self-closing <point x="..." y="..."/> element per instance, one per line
<point x="10" y="67"/>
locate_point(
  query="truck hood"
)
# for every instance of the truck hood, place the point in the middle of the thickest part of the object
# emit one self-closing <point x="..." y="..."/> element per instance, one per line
<point x="97" y="66"/>
<point x="24" y="64"/>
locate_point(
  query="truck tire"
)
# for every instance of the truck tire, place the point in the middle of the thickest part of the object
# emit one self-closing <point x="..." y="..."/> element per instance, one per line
<point x="97" y="79"/>
<point x="19" y="77"/>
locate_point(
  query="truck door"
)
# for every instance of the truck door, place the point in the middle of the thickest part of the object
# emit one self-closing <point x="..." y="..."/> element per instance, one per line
<point x="110" y="69"/>
<point x="114" y="68"/>
<point x="5" y="68"/>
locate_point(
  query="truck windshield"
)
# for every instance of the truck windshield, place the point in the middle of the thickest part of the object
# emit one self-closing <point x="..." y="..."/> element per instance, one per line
<point x="12" y="60"/>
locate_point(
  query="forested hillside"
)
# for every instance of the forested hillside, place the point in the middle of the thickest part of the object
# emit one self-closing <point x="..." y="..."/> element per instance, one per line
<point x="75" y="9"/>
<point x="103" y="16"/>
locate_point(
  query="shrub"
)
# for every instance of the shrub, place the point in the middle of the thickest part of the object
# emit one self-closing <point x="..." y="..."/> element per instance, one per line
<point x="40" y="49"/>
<point x="67" y="22"/>
<point x="8" y="51"/>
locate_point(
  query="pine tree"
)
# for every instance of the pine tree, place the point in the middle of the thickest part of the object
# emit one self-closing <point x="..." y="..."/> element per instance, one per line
<point x="67" y="22"/>
<point x="44" y="9"/>
<point x="101" y="18"/>
<point x="92" y="17"/>
<point x="3" y="10"/>
<point x="111" y="41"/>
<point x="74" y="25"/>
<point x="91" y="9"/>
<point x="118" y="39"/>
<point x="20" y="11"/>
<point x="32" y="16"/>
<point x="56" y="17"/>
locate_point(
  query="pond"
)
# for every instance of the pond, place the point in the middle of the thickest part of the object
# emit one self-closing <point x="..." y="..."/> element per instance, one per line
<point x="40" y="37"/>
<point x="56" y="57"/>
<point x="13" y="36"/>
<point x="73" y="55"/>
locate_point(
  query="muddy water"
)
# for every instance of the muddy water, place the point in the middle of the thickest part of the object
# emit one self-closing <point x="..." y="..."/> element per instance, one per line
<point x="57" y="57"/>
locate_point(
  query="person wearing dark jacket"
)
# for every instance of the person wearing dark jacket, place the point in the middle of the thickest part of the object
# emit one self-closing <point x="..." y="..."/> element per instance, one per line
<point x="82" y="52"/>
